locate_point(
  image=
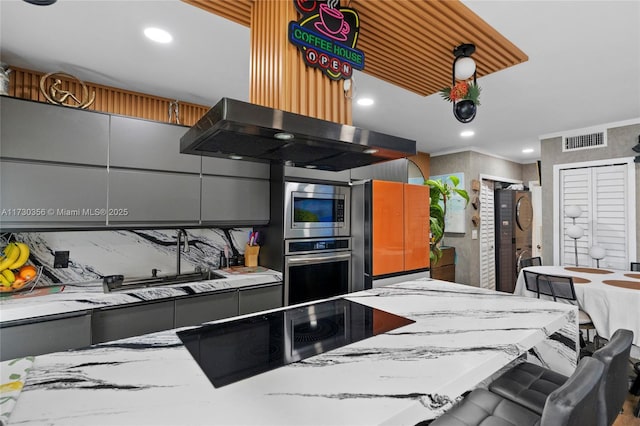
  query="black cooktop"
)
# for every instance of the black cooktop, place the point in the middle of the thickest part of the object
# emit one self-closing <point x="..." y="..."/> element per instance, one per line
<point x="234" y="350"/>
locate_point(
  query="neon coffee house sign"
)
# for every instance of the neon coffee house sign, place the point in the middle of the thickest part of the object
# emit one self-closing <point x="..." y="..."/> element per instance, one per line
<point x="326" y="35"/>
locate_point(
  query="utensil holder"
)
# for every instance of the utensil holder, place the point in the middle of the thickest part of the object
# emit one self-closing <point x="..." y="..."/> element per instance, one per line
<point x="251" y="255"/>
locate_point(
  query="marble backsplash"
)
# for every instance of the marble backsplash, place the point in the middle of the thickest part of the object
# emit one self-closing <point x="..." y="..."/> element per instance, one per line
<point x="132" y="253"/>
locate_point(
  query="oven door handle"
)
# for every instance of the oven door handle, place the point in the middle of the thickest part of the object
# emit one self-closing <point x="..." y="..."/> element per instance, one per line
<point x="305" y="260"/>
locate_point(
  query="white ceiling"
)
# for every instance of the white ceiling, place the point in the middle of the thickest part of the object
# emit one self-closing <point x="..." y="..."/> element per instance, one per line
<point x="583" y="68"/>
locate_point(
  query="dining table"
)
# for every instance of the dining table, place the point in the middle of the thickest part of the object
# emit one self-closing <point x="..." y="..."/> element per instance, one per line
<point x="611" y="297"/>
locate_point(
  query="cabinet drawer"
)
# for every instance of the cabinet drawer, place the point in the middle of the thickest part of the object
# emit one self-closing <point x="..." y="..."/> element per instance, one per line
<point x="260" y="298"/>
<point x="145" y="144"/>
<point x="38" y="131"/>
<point x="45" y="336"/>
<point x="50" y="194"/>
<point x="119" y="323"/>
<point x="199" y="309"/>
<point x="145" y="196"/>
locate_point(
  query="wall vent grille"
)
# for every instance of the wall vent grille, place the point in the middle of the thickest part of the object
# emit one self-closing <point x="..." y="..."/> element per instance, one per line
<point x="586" y="141"/>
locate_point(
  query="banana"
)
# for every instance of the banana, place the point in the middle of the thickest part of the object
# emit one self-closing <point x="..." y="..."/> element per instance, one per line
<point x="12" y="252"/>
<point x="23" y="256"/>
<point x="4" y="282"/>
<point x="8" y="275"/>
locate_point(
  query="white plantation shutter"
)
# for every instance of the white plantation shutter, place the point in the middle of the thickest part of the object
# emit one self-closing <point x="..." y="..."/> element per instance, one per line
<point x="487" y="236"/>
<point x="601" y="192"/>
<point x="576" y="184"/>
<point x="610" y="216"/>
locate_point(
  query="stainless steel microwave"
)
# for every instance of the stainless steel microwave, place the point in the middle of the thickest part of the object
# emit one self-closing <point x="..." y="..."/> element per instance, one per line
<point x="316" y="210"/>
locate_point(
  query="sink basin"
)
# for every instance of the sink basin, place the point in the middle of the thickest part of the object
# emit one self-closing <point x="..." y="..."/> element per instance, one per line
<point x="120" y="283"/>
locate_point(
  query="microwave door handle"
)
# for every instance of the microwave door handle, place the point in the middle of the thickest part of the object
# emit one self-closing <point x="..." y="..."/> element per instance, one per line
<point x="305" y="260"/>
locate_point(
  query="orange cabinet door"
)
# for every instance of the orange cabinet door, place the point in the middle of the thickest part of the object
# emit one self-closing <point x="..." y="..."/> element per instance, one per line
<point x="416" y="227"/>
<point x="388" y="235"/>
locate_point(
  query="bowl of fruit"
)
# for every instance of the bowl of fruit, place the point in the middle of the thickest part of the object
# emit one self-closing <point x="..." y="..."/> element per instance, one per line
<point x="15" y="274"/>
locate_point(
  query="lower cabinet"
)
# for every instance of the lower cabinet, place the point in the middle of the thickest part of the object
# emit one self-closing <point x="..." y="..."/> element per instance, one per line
<point x="51" y="334"/>
<point x="203" y="308"/>
<point x="79" y="329"/>
<point x="120" y="322"/>
<point x="260" y="298"/>
<point x="445" y="268"/>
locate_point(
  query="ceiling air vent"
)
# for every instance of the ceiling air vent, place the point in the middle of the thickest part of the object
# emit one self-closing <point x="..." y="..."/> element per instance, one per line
<point x="585" y="141"/>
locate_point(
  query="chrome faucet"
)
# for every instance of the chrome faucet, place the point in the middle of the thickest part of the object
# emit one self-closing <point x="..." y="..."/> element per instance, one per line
<point x="181" y="232"/>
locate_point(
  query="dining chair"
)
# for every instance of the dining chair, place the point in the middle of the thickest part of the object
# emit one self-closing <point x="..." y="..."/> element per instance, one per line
<point x="562" y="287"/>
<point x="529" y="384"/>
<point x="531" y="281"/>
<point x="559" y="287"/>
<point x="530" y="261"/>
<point x="573" y="403"/>
<point x="635" y="266"/>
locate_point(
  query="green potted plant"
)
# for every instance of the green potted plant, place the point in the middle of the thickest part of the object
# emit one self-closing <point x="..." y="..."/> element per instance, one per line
<point x="440" y="192"/>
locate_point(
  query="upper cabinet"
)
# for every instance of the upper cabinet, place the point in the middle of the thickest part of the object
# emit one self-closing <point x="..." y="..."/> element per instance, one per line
<point x="224" y="167"/>
<point x="143" y="144"/>
<point x="70" y="168"/>
<point x="37" y="131"/>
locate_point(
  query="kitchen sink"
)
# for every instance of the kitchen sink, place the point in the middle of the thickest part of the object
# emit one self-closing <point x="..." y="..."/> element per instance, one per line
<point x="120" y="283"/>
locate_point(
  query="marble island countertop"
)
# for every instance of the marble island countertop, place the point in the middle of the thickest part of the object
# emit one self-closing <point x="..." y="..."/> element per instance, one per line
<point x="84" y="296"/>
<point x="461" y="336"/>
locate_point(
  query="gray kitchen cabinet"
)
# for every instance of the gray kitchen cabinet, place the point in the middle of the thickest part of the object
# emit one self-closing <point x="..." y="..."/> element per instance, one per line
<point x="293" y="173"/>
<point x="118" y="323"/>
<point x="39" y="195"/>
<point x="138" y="196"/>
<point x="38" y="131"/>
<point x="49" y="334"/>
<point x="143" y="144"/>
<point x="226" y="167"/>
<point x="198" y="309"/>
<point x="394" y="171"/>
<point x="231" y="200"/>
<point x="260" y="298"/>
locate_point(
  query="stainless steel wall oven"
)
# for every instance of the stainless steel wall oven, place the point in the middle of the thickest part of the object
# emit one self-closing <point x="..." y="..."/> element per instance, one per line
<point x="316" y="269"/>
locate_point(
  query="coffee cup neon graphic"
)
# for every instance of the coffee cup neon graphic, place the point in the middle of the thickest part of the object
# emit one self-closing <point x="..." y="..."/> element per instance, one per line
<point x="332" y="23"/>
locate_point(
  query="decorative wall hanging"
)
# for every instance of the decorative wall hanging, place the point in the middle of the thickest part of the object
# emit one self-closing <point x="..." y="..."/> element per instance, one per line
<point x="465" y="93"/>
<point x="636" y="148"/>
<point x="51" y="88"/>
<point x="174" y="112"/>
<point x="326" y="35"/>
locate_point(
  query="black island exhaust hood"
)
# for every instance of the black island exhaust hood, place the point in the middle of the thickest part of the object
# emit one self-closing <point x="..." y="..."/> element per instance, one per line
<point x="240" y="130"/>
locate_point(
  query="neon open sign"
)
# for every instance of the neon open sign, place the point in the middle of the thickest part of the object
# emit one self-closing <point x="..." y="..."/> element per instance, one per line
<point x="326" y="35"/>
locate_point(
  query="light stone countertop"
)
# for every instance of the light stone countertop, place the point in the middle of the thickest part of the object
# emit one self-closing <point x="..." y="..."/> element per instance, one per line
<point x="461" y="336"/>
<point x="85" y="296"/>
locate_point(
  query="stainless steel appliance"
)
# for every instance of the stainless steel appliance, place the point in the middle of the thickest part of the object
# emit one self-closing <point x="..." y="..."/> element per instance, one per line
<point x="514" y="215"/>
<point x="230" y="351"/>
<point x="316" y="268"/>
<point x="257" y="133"/>
<point x="316" y="210"/>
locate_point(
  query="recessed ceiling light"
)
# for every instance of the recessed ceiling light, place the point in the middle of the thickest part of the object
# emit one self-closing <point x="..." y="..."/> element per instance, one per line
<point x="365" y="101"/>
<point x="158" y="35"/>
<point x="370" y="151"/>
<point x="235" y="157"/>
<point x="283" y="136"/>
<point x="527" y="150"/>
<point x="467" y="133"/>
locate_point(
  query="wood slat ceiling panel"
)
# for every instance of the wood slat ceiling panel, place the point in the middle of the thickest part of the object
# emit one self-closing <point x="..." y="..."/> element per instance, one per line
<point x="409" y="43"/>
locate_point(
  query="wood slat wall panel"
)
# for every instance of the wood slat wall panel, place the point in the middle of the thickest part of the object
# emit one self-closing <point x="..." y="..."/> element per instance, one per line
<point x="408" y="43"/>
<point x="279" y="78"/>
<point x="25" y="84"/>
